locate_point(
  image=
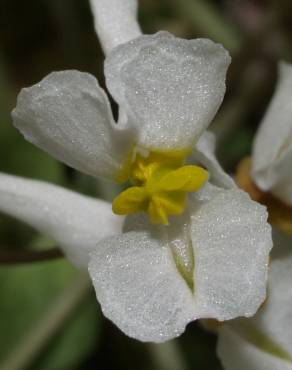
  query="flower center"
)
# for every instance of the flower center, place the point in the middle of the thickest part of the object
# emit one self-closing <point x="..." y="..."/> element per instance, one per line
<point x="160" y="182"/>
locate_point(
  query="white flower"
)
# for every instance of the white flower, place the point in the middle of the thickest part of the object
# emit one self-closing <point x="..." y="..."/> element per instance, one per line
<point x="264" y="342"/>
<point x="151" y="280"/>
<point x="272" y="149"/>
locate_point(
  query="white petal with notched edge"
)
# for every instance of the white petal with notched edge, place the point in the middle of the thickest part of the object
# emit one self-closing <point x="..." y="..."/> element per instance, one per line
<point x="138" y="284"/>
<point x="68" y="115"/>
<point x="170" y="88"/>
<point x="74" y="221"/>
<point x="237" y="342"/>
<point x="231" y="240"/>
<point x="236" y="353"/>
<point x="115" y="21"/>
<point x="272" y="148"/>
<point x="139" y="288"/>
<point x="204" y="154"/>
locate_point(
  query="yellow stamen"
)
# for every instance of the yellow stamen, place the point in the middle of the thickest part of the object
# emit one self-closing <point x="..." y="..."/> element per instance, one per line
<point x="161" y="183"/>
<point x="130" y="201"/>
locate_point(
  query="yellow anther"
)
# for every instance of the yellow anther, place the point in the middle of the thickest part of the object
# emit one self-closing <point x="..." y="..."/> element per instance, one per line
<point x="161" y="183"/>
<point x="131" y="200"/>
<point x="163" y="205"/>
<point x="186" y="178"/>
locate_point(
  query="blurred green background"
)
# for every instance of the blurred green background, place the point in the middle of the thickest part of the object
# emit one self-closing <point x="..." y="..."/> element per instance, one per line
<point x="40" y="36"/>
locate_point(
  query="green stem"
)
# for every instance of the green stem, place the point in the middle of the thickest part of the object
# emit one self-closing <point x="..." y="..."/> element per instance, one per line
<point x="15" y="256"/>
<point x="235" y="112"/>
<point x="167" y="356"/>
<point x="31" y="346"/>
<point x="208" y="20"/>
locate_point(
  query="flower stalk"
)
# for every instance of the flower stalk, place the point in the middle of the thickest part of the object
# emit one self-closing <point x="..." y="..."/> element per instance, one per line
<point x="14" y="256"/>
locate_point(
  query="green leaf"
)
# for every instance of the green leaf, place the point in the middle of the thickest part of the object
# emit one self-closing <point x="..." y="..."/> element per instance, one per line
<point x="26" y="292"/>
<point x="22" y="158"/>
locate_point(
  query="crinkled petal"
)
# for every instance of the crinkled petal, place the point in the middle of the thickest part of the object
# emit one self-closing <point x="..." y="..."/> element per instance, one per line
<point x="211" y="262"/>
<point x="236" y="353"/>
<point x="272" y="149"/>
<point x="139" y="287"/>
<point x="204" y="153"/>
<point x="115" y="21"/>
<point x="231" y="241"/>
<point x="68" y="115"/>
<point x="170" y="88"/>
<point x="74" y="221"/>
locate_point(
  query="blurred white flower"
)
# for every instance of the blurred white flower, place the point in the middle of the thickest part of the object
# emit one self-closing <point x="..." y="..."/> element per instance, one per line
<point x="267" y="175"/>
<point x="264" y="342"/>
<point x="152" y="279"/>
<point x="272" y="149"/>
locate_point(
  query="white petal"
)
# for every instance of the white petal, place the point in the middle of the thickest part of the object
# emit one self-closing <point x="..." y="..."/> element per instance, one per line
<point x="115" y="21"/>
<point x="272" y="149"/>
<point x="68" y="115"/>
<point x="204" y="153"/>
<point x="231" y="241"/>
<point x="265" y="340"/>
<point x="236" y="353"/>
<point x="170" y="88"/>
<point x="139" y="287"/>
<point x="74" y="221"/>
<point x="274" y="319"/>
